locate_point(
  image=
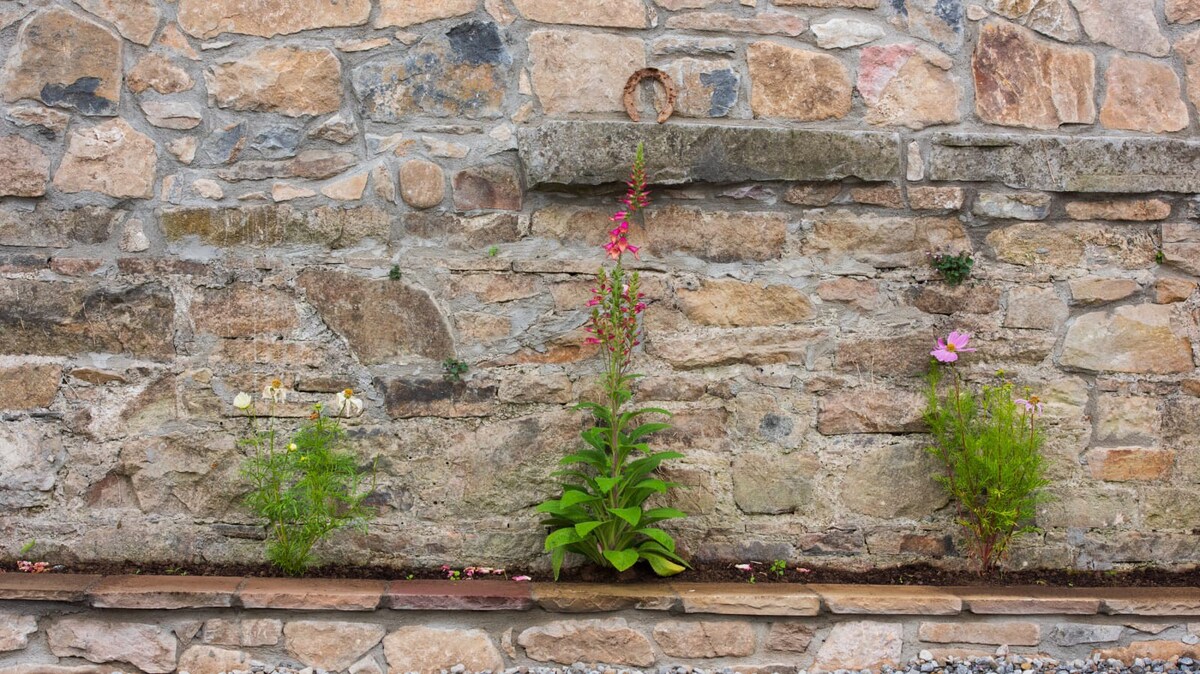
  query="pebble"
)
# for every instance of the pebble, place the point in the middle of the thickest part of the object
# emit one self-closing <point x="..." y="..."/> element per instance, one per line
<point x="923" y="663"/>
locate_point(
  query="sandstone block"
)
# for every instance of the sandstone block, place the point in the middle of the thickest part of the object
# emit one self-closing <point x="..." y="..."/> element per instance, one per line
<point x="380" y="319"/>
<point x="24" y="168"/>
<point x="15" y="630"/>
<point x="1013" y="206"/>
<point x="1183" y="11"/>
<point x="764" y="23"/>
<point x="55" y="318"/>
<point x="1021" y="80"/>
<point x="404" y="13"/>
<point x="999" y="633"/>
<point x="137" y="20"/>
<point x="797" y="83"/>
<point x="286" y="80"/>
<point x="30" y="385"/>
<point x="758" y="347"/>
<point x="212" y="660"/>
<point x="680" y="639"/>
<point x="274" y="225"/>
<point x="243" y="632"/>
<point x="935" y="198"/>
<point x="789" y="637"/>
<point x="774" y="484"/>
<point x="706" y="88"/>
<point x="244" y="310"/>
<point x="30" y="460"/>
<point x="65" y="61"/>
<point x="1139" y="210"/>
<point x="111" y="158"/>
<point x="1094" y="289"/>
<point x="331" y="645"/>
<point x="1073" y="634"/>
<point x="1136" y="338"/>
<point x="842" y="33"/>
<point x="422" y="183"/>
<point x="860" y="645"/>
<point x="430" y="651"/>
<point x="716" y="236"/>
<point x="729" y="303"/>
<point x="882" y="241"/>
<point x="908" y="463"/>
<point x="147" y="647"/>
<point x="1124" y="464"/>
<point x="267" y="18"/>
<point x="1125" y="24"/>
<point x="870" y="410"/>
<point x="490" y="187"/>
<point x="906" y="86"/>
<point x="575" y="72"/>
<point x="609" y="641"/>
<point x="1143" y="96"/>
<point x="606" y="13"/>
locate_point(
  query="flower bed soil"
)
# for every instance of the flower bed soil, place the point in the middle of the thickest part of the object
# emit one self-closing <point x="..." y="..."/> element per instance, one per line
<point x="915" y="574"/>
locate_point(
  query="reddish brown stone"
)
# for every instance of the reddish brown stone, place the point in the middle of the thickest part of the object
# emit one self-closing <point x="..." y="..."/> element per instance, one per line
<point x="1122" y="464"/>
<point x="742" y="599"/>
<point x="887" y="600"/>
<point x="1022" y="80"/>
<point x="45" y="587"/>
<point x="164" y="592"/>
<point x="597" y="598"/>
<point x="441" y="595"/>
<point x="1143" y="95"/>
<point x="798" y="84"/>
<point x="492" y="187"/>
<point x="998" y="633"/>
<point x="311" y="594"/>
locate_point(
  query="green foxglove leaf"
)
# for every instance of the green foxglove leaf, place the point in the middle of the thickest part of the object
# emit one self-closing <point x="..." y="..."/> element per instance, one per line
<point x="585" y="528"/>
<point x="562" y="537"/>
<point x="656" y="485"/>
<point x="622" y="559"/>
<point x="631" y="515"/>
<point x="570" y="498"/>
<point x="556" y="559"/>
<point x="660" y="514"/>
<point x="661" y="565"/>
<point x="606" y="484"/>
<point x="659" y="536"/>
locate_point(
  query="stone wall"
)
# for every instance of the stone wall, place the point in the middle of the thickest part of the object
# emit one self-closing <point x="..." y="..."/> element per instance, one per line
<point x="157" y="625"/>
<point x="200" y="196"/>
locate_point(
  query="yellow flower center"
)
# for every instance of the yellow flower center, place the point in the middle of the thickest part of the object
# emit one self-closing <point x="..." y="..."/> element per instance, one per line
<point x="276" y="384"/>
<point x="1034" y="400"/>
<point x="348" y="393"/>
<point x="951" y="348"/>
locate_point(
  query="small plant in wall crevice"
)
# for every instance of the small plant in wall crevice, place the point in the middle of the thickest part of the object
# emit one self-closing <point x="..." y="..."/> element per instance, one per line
<point x="954" y="268"/>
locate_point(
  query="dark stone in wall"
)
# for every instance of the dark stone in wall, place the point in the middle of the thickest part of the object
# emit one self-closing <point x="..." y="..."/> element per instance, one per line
<point x="593" y="153"/>
<point x="54" y="318"/>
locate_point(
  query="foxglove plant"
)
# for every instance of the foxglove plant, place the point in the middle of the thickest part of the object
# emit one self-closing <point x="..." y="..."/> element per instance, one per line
<point x="602" y="511"/>
<point x="990" y="447"/>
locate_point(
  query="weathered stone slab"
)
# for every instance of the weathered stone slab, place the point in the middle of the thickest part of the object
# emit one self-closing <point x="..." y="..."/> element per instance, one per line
<point x="45" y="587"/>
<point x="276" y="224"/>
<point x="1134" y="338"/>
<point x="15" y="630"/>
<point x="332" y="645"/>
<point x="888" y="599"/>
<point x="137" y="20"/>
<point x="882" y="241"/>
<point x="148" y="647"/>
<point x="46" y="227"/>
<point x="288" y="80"/>
<point x="409" y="398"/>
<point x="30" y="458"/>
<point x="1068" y="164"/>
<point x="860" y="645"/>
<point x="1152" y="602"/>
<point x="996" y="634"/>
<point x="1029" y="601"/>
<point x="311" y="595"/>
<point x="609" y="641"/>
<point x="594" y="598"/>
<point x="164" y="592"/>
<point x="593" y="153"/>
<point x="381" y="319"/>
<point x="442" y="595"/>
<point x="111" y="158"/>
<point x="53" y="318"/>
<point x="267" y="18"/>
<point x="680" y="639"/>
<point x="428" y="650"/>
<point x="743" y="599"/>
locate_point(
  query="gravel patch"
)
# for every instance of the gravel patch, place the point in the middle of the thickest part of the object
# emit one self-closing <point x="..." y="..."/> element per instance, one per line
<point x="923" y="664"/>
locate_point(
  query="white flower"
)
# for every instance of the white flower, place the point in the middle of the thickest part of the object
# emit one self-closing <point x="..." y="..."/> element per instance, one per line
<point x="292" y="447"/>
<point x="274" y="392"/>
<point x="347" y="405"/>
<point x="243" y="401"/>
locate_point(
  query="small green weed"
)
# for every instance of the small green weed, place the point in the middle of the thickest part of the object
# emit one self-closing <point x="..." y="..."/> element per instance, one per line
<point x="954" y="268"/>
<point x="453" y="369"/>
<point x="395" y="273"/>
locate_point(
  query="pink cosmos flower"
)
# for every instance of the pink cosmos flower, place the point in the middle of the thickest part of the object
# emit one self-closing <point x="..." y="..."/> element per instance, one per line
<point x="948" y="349"/>
<point x="522" y="579"/>
<point x="743" y="567"/>
<point x="1032" y="406"/>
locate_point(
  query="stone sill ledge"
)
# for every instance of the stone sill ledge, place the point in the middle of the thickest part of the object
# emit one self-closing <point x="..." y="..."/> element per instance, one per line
<point x="187" y="592"/>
